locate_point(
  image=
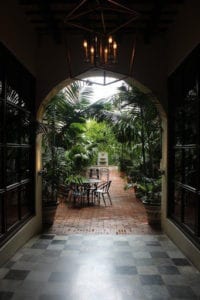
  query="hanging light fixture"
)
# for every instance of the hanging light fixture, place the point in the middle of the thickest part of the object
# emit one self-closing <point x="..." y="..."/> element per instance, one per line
<point x="98" y="23"/>
<point x="100" y="50"/>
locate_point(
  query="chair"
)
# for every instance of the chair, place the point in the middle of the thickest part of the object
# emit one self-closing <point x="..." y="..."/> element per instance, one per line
<point x="104" y="174"/>
<point x="94" y="173"/>
<point x="80" y="193"/>
<point x="102" y="191"/>
<point x="63" y="191"/>
<point x="92" y="190"/>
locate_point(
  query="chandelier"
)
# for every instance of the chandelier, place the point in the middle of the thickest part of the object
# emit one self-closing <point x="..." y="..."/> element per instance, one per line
<point x="99" y="22"/>
<point x="100" y="50"/>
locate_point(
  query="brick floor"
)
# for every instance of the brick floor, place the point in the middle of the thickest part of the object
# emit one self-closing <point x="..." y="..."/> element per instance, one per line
<point x="125" y="216"/>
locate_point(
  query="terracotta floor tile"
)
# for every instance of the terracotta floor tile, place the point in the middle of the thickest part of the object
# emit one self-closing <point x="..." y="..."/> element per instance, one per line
<point x="126" y="216"/>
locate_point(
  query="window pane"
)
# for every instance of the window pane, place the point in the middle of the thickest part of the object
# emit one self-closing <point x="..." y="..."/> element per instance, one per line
<point x="12" y="170"/>
<point x="12" y="124"/>
<point x="25" y="163"/>
<point x="178" y="165"/>
<point x="1" y="121"/>
<point x="176" y="210"/>
<point x="186" y="117"/>
<point x="12" y="207"/>
<point x="12" y="95"/>
<point x="1" y="167"/>
<point x="1" y="88"/>
<point x="191" y="116"/>
<point x="1" y="212"/>
<point x="26" y="204"/>
<point x="179" y="127"/>
<point x="25" y="128"/>
<point x="190" y="167"/>
<point x="190" y="208"/>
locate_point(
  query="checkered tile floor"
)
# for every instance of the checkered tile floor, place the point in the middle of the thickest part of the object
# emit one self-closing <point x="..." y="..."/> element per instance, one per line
<point x="99" y="267"/>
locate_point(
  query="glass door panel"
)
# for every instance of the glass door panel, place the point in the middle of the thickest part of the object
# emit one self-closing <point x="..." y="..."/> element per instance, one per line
<point x="12" y="164"/>
<point x="12" y="207"/>
<point x="12" y="123"/>
<point x="184" y="146"/>
<point x="26" y="205"/>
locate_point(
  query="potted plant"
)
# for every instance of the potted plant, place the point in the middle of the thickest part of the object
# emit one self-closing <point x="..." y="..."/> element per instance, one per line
<point x="150" y="189"/>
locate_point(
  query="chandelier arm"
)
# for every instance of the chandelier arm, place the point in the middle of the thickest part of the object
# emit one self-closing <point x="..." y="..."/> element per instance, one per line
<point x="68" y="55"/>
<point x="132" y="57"/>
<point x="122" y="25"/>
<point x="76" y="8"/>
<point x="79" y="14"/>
<point x="80" y="27"/>
<point x="103" y="21"/>
<point x="124" y="7"/>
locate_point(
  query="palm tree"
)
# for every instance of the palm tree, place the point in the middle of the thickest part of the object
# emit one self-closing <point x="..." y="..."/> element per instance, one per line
<point x="64" y="123"/>
<point x="136" y="124"/>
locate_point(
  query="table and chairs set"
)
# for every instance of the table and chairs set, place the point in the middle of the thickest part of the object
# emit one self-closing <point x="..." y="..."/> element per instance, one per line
<point x="91" y="190"/>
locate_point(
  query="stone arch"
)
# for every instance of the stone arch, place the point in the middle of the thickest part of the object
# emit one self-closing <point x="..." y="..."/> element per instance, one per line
<point x="130" y="81"/>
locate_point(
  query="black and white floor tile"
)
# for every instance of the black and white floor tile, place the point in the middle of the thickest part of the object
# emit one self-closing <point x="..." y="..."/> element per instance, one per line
<point x="99" y="267"/>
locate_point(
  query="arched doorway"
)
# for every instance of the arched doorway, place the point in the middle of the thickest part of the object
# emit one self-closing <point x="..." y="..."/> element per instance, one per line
<point x="156" y="104"/>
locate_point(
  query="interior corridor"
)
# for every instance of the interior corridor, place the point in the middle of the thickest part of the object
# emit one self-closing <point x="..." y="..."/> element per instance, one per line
<point x="100" y="253"/>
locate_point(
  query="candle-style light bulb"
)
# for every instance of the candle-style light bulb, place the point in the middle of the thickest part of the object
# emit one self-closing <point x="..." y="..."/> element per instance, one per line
<point x="85" y="45"/>
<point x="114" y="51"/>
<point x="106" y="55"/>
<point x="114" y="45"/>
<point x="92" y="54"/>
<point x="110" y="40"/>
<point x="92" y="50"/>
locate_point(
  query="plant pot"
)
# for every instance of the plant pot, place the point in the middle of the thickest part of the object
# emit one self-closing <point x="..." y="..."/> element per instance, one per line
<point x="153" y="214"/>
<point x="48" y="214"/>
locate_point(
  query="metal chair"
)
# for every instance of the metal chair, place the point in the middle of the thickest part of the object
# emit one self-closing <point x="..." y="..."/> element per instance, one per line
<point x="80" y="193"/>
<point x="93" y="173"/>
<point x="104" y="174"/>
<point x="63" y="192"/>
<point x="102" y="191"/>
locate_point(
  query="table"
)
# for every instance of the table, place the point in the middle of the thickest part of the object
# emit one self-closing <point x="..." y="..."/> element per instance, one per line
<point x="83" y="190"/>
<point x="93" y="182"/>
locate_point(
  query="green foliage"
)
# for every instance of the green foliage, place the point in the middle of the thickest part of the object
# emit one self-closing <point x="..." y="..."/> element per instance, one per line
<point x="62" y="150"/>
<point x="151" y="190"/>
<point x="136" y="125"/>
<point x="101" y="135"/>
<point x="147" y="189"/>
<point x="75" y="179"/>
<point x="126" y="126"/>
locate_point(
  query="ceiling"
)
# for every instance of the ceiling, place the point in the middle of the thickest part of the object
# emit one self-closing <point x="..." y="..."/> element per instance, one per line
<point x="148" y="18"/>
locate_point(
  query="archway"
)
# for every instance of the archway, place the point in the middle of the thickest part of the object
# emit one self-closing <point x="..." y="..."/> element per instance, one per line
<point x="144" y="90"/>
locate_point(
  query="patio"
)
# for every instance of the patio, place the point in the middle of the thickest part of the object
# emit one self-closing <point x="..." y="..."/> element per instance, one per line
<point x="126" y="216"/>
